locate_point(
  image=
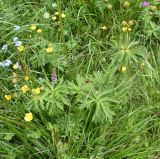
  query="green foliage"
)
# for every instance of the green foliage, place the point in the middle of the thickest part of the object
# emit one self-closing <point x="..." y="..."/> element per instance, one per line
<point x="86" y="86"/>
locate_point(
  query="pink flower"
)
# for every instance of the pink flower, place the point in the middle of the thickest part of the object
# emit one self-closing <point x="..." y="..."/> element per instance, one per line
<point x="145" y="3"/>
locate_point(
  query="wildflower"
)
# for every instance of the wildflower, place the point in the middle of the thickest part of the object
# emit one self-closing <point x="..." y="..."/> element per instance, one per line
<point x="124" y="29"/>
<point x="21" y="48"/>
<point x="16" y="28"/>
<point x="18" y="43"/>
<point x="54" y="5"/>
<point x="54" y="17"/>
<point x="16" y="66"/>
<point x="4" y="48"/>
<point x="129" y="29"/>
<point x="126" y="4"/>
<point x="15" y="39"/>
<point x="49" y="49"/>
<point x="56" y="13"/>
<point x="131" y="23"/>
<point x="26" y="78"/>
<point x="30" y="36"/>
<point x="7" y="63"/>
<point x="39" y="30"/>
<point x="63" y="15"/>
<point x="24" y="88"/>
<point x="109" y="6"/>
<point x="36" y="90"/>
<point x="28" y="116"/>
<point x="142" y="64"/>
<point x="123" y="69"/>
<point x="8" y="97"/>
<point x="104" y="27"/>
<point x="33" y="27"/>
<point x="145" y="3"/>
<point x="46" y="15"/>
<point x="124" y="23"/>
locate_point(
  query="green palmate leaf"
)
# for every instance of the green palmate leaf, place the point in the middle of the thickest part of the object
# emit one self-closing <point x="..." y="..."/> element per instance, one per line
<point x="127" y="52"/>
<point x="52" y="99"/>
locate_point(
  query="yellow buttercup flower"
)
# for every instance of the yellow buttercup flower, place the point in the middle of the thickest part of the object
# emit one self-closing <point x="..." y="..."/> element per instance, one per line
<point x="21" y="48"/>
<point x="63" y="15"/>
<point x="123" y="69"/>
<point x="28" y="116"/>
<point x="26" y="78"/>
<point x="39" y="30"/>
<point x="104" y="27"/>
<point x="124" y="23"/>
<point x="54" y="17"/>
<point x="24" y="88"/>
<point x="129" y="29"/>
<point x="126" y="4"/>
<point x="49" y="49"/>
<point x="8" y="97"/>
<point x="33" y="27"/>
<point x="124" y="29"/>
<point x="36" y="90"/>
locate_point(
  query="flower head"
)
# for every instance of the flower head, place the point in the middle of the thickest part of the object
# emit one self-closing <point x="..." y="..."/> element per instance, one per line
<point x="124" y="29"/>
<point x="21" y="48"/>
<point x="36" y="90"/>
<point x="54" y="17"/>
<point x="28" y="116"/>
<point x="109" y="6"/>
<point x="39" y="30"/>
<point x="54" y="5"/>
<point x="46" y="15"/>
<point x="33" y="27"/>
<point x="18" y="43"/>
<point x="123" y="69"/>
<point x="49" y="49"/>
<point x="7" y="63"/>
<point x="26" y="78"/>
<point x="24" y="88"/>
<point x="126" y="4"/>
<point x="8" y="97"/>
<point x="15" y="39"/>
<point x="63" y="15"/>
<point x="104" y="27"/>
<point x="16" y="66"/>
<point x="16" y="28"/>
<point x="5" y="48"/>
<point x="145" y="3"/>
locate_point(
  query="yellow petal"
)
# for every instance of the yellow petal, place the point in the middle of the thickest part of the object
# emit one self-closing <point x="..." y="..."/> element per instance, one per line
<point x="28" y="116"/>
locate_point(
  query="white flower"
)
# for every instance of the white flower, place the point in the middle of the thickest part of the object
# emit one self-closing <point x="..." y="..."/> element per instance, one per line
<point x="46" y="15"/>
<point x="6" y="63"/>
<point x="18" y="43"/>
<point x="54" y="5"/>
<point x="5" y="48"/>
<point x="16" y="28"/>
<point x="15" y="39"/>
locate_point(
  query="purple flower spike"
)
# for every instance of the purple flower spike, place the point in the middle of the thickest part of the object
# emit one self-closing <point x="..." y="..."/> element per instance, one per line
<point x="145" y="3"/>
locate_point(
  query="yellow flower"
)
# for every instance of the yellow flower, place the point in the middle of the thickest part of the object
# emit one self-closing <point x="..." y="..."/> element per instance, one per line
<point x="21" y="48"/>
<point x="30" y="36"/>
<point x="33" y="27"/>
<point x="54" y="17"/>
<point x="56" y="13"/>
<point x="142" y="64"/>
<point x="49" y="49"/>
<point x="124" y="23"/>
<point x="8" y="97"/>
<point x="131" y="23"/>
<point x="124" y="29"/>
<point x="109" y="6"/>
<point x="24" y="88"/>
<point x="104" y="27"/>
<point x="39" y="30"/>
<point x="26" y="78"/>
<point x="14" y="80"/>
<point x="36" y="90"/>
<point x="123" y="69"/>
<point x="15" y="66"/>
<point x="129" y="29"/>
<point x="63" y="15"/>
<point x="28" y="116"/>
<point x="126" y="4"/>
